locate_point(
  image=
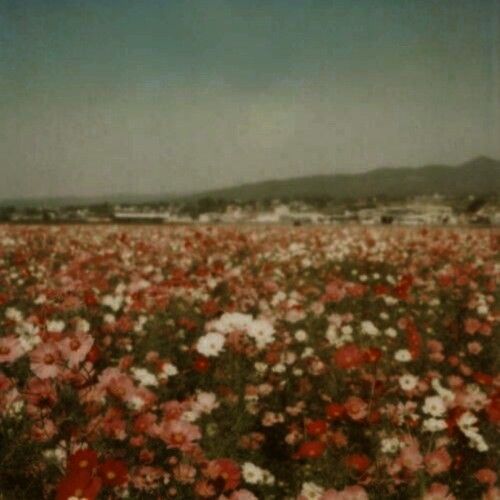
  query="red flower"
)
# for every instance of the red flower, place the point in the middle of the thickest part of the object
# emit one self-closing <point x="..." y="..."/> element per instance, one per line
<point x="80" y="484"/>
<point x="89" y="298"/>
<point x="311" y="449"/>
<point x="413" y="339"/>
<point x="372" y="354"/>
<point x="82" y="460"/>
<point x="113" y="472"/>
<point x="349" y="356"/>
<point x="334" y="411"/>
<point x="493" y="409"/>
<point x="201" y="364"/>
<point x="226" y="469"/>
<point x="358" y="462"/>
<point x="316" y="427"/>
<point x="482" y="378"/>
<point x="94" y="354"/>
<point x="210" y="308"/>
<point x="374" y="417"/>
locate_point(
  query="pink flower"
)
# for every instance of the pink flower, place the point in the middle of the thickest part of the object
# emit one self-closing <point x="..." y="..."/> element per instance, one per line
<point x="354" y="492"/>
<point x="437" y="461"/>
<point x="74" y="348"/>
<point x="40" y="395"/>
<point x="146" y="478"/>
<point x="438" y="491"/>
<point x="486" y="476"/>
<point x="178" y="434"/>
<point x="472" y="325"/>
<point x="474" y="347"/>
<point x="46" y="361"/>
<point x="43" y="430"/>
<point x="243" y="495"/>
<point x="491" y="494"/>
<point x="117" y="383"/>
<point x="356" y="408"/>
<point x="410" y="456"/>
<point x="184" y="473"/>
<point x="112" y="424"/>
<point x="10" y="349"/>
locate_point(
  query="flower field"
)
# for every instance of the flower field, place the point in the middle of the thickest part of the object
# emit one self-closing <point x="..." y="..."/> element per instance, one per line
<point x="308" y="363"/>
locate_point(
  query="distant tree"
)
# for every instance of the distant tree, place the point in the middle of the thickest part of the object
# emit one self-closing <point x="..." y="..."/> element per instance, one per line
<point x="475" y="205"/>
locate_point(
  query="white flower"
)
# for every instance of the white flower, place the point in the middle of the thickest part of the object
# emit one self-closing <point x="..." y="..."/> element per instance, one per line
<point x="14" y="314"/>
<point x="311" y="491"/>
<point x="56" y="326"/>
<point x="279" y="368"/>
<point x="135" y="403"/>
<point x="210" y="344"/>
<point x="482" y="310"/>
<point x="447" y="395"/>
<point x="368" y="328"/>
<point x="434" y="424"/>
<point x="408" y="382"/>
<point x="28" y="340"/>
<point x="346" y="330"/>
<point x="41" y="299"/>
<point x="56" y="454"/>
<point x="390" y="445"/>
<point x="14" y="409"/>
<point x="262" y="331"/>
<point x="269" y="479"/>
<point x="252" y="474"/>
<point x="307" y="352"/>
<point x="168" y="370"/>
<point x="230" y="322"/>
<point x="144" y="377"/>
<point x="332" y="335"/>
<point x="205" y="402"/>
<point x="477" y="441"/>
<point x="109" y="318"/>
<point x="403" y="356"/>
<point x="300" y="336"/>
<point x="113" y="302"/>
<point x="466" y="422"/>
<point x="260" y="367"/>
<point x="435" y="406"/>
<point x="391" y="332"/>
<point x="83" y="325"/>
<point x="390" y="301"/>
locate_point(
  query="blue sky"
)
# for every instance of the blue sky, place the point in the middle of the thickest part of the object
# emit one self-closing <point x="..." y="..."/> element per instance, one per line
<point x="151" y="96"/>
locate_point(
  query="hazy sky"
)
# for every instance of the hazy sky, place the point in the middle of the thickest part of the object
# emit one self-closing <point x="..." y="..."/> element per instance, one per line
<point x="152" y="96"/>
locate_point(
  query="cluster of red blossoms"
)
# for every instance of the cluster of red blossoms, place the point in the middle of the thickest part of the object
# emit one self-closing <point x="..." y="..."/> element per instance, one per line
<point x="85" y="476"/>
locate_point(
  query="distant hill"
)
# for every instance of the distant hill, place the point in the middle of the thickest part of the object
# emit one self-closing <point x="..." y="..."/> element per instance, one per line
<point x="478" y="177"/>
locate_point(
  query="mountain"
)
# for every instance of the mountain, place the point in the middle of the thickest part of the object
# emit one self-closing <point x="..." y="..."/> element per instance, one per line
<point x="478" y="177"/>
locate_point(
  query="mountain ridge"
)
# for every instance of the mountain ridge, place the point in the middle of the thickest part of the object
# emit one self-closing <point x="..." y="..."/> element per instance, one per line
<point x="479" y="176"/>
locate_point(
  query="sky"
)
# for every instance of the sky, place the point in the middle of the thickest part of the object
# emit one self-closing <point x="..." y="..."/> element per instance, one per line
<point x="100" y="97"/>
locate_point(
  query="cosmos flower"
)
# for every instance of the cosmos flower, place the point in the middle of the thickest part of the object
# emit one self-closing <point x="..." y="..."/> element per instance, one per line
<point x="113" y="472"/>
<point x="10" y="349"/>
<point x="46" y="361"/>
<point x="75" y="348"/>
<point x="79" y="485"/>
<point x="211" y="344"/>
<point x="408" y="382"/>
